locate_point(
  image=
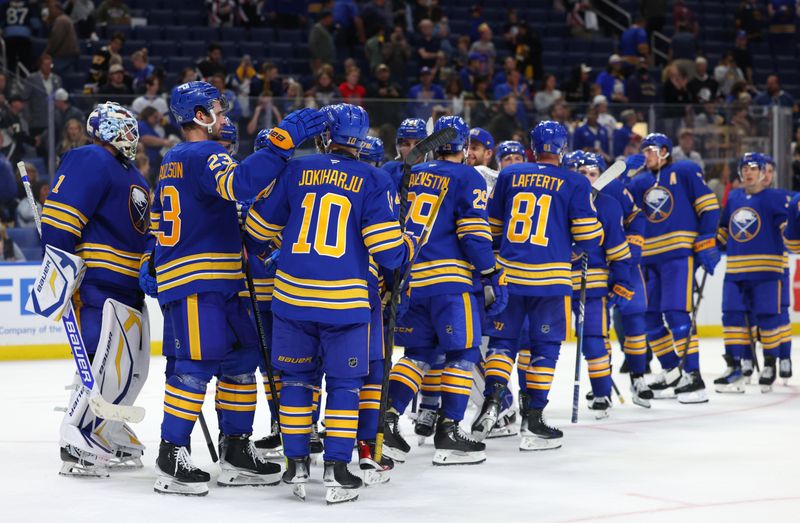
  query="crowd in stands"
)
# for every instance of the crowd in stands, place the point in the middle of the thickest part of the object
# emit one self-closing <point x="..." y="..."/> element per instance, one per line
<point x="398" y="59"/>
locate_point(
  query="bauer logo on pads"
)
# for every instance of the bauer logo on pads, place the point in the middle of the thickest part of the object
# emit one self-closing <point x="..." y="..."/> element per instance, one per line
<point x="60" y="274"/>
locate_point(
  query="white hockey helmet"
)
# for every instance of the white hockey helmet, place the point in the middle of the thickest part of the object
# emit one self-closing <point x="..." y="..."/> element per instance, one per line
<point x="115" y="125"/>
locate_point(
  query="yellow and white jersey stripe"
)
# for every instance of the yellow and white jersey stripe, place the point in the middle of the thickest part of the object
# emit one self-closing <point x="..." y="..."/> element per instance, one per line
<point x="529" y="274"/>
<point x="756" y="262"/>
<point x="620" y="252"/>
<point x="104" y="256"/>
<point x="583" y="229"/>
<point x="707" y="202"/>
<point x="596" y="278"/>
<point x="64" y="217"/>
<point x="669" y="242"/>
<point x="259" y="228"/>
<point x="450" y="270"/>
<point x="325" y="294"/>
<point x="473" y="226"/>
<point x="382" y="236"/>
<point x="203" y="266"/>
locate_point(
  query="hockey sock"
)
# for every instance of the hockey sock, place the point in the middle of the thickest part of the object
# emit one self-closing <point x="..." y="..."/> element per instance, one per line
<point x="635" y="348"/>
<point x="771" y="333"/>
<point x="315" y="401"/>
<point x="661" y="342"/>
<point x="539" y="376"/>
<point x="523" y="360"/>
<point x="431" y="391"/>
<point x="736" y="340"/>
<point x="236" y="402"/>
<point x="295" y="413"/>
<point x="341" y="418"/>
<point x="684" y="340"/>
<point x="183" y="400"/>
<point x="785" y="349"/>
<point x="597" y="359"/>
<point x="268" y="391"/>
<point x="456" y="386"/>
<point x="369" y="402"/>
<point x="405" y="381"/>
<point x="498" y="365"/>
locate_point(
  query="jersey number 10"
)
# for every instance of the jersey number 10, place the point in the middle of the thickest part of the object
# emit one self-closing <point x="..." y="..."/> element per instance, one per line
<point x="324" y="213"/>
<point x="523" y="207"/>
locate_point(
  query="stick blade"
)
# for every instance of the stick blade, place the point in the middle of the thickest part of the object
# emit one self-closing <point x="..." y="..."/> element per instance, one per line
<point x="127" y="413"/>
<point x="612" y="173"/>
<point x="430" y="144"/>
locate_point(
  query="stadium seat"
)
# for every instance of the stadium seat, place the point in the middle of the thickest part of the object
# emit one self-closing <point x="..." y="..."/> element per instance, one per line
<point x="206" y="34"/>
<point x="148" y="32"/>
<point x="193" y="49"/>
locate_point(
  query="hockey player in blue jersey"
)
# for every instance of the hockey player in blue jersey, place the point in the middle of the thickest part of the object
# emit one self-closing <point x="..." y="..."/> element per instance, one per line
<point x="98" y="210"/>
<point x="334" y="212"/>
<point x="751" y="229"/>
<point x="198" y="264"/>
<point x="682" y="216"/>
<point x="536" y="212"/>
<point x="441" y="310"/>
<point x="510" y="152"/>
<point x="409" y="134"/>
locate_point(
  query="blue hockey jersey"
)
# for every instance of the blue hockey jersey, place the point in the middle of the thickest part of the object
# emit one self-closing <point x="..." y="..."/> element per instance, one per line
<point x="791" y="234"/>
<point x="460" y="242"/>
<point x="750" y="229"/>
<point x="632" y="216"/>
<point x="98" y="209"/>
<point x="194" y="220"/>
<point x="681" y="211"/>
<point x="333" y="212"/>
<point x="611" y="262"/>
<point x="536" y="212"/>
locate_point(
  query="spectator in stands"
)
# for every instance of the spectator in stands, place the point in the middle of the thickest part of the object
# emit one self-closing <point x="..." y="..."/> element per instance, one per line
<point x="622" y="136"/>
<point x="633" y="43"/>
<point x="655" y="14"/>
<point x="428" y="45"/>
<point x="348" y="26"/>
<point x="397" y="52"/>
<point x="62" y="42"/>
<point x="471" y="71"/>
<point x="151" y="134"/>
<point x="547" y="96"/>
<point x="373" y="49"/>
<point x="351" y="89"/>
<point x="4" y="88"/>
<point x="709" y="118"/>
<point x="582" y="20"/>
<point x="480" y="103"/>
<point x="187" y="74"/>
<point x="727" y="73"/>
<point x="516" y="86"/>
<point x="604" y="118"/>
<point x="683" y="50"/>
<point x="116" y="90"/>
<point x="385" y="111"/>
<point x="102" y="59"/>
<point x="685" y="149"/>
<point x="24" y="214"/>
<point x="442" y="31"/>
<point x="782" y="26"/>
<point x="683" y="15"/>
<point x="323" y="91"/>
<point x="427" y="10"/>
<point x="476" y="19"/>
<point x="750" y="19"/>
<point x="234" y="108"/>
<point x="212" y="63"/>
<point x="376" y="16"/>
<point x="152" y="97"/>
<point x="774" y="95"/>
<point x="269" y="82"/>
<point x="591" y="136"/>
<point x="143" y="164"/>
<point x="526" y="47"/>
<point x="702" y="81"/>
<point x="38" y="86"/>
<point x="578" y="89"/>
<point x="505" y="124"/>
<point x="743" y="57"/>
<point x="14" y="129"/>
<point x="9" y="250"/>
<point x="265" y="115"/>
<point x="455" y="95"/>
<point x="321" y="46"/>
<point x="484" y="47"/>
<point x="612" y="80"/>
<point x="640" y="86"/>
<point x="113" y="12"/>
<point x="8" y="191"/>
<point x="221" y="13"/>
<point x="559" y="112"/>
<point x="73" y="136"/>
<point x="676" y="92"/>
<point x="65" y="111"/>
<point x="142" y="69"/>
<point x="424" y="95"/>
<point x="81" y="13"/>
<point x="740" y="120"/>
<point x="500" y="77"/>
<point x="18" y="27"/>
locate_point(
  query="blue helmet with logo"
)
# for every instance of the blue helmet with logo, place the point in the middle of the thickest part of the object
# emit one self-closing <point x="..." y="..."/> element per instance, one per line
<point x="572" y="160"/>
<point x="412" y="129"/>
<point x="509" y="147"/>
<point x="371" y="150"/>
<point x="348" y="124"/>
<point x="593" y="160"/>
<point x="186" y="98"/>
<point x="768" y="160"/>
<point x="262" y="139"/>
<point x="753" y="160"/>
<point x="229" y="133"/>
<point x="549" y="137"/>
<point x="657" y="140"/>
<point x="461" y="140"/>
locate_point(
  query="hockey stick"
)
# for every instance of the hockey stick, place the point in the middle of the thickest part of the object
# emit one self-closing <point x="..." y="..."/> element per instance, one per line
<point x="101" y="407"/>
<point x="207" y="435"/>
<point x="753" y="352"/>
<point x="695" y="308"/>
<point x="428" y="145"/>
<point x="579" y="333"/>
<point x="617" y="392"/>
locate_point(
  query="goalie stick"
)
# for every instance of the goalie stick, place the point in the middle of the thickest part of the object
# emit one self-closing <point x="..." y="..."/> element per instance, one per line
<point x="101" y="407"/>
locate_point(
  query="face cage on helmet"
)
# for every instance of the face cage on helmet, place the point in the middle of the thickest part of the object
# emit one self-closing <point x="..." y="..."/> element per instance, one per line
<point x="117" y="130"/>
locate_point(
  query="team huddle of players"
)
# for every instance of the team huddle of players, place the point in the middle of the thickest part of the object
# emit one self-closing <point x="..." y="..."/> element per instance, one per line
<point x="491" y="258"/>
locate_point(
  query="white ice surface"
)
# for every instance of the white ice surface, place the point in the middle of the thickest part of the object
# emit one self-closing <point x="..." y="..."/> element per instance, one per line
<point x="736" y="458"/>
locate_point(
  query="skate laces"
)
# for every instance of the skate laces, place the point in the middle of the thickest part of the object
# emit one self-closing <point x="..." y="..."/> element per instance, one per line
<point x="254" y="454"/>
<point x="463" y="435"/>
<point x="184" y="459"/>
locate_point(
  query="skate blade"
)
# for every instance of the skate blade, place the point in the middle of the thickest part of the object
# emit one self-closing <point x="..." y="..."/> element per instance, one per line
<point x="396" y="455"/>
<point x="665" y="394"/>
<point x="641" y="402"/>
<point x="730" y="388"/>
<point x="786" y="382"/>
<point x="270" y="454"/>
<point x="601" y="414"/>
<point x="748" y="379"/>
<point x="376" y="477"/>
<point x="75" y="470"/>
<point x="336" y="495"/>
<point x="690" y="398"/>
<point x="171" y="486"/>
<point x="533" y="443"/>
<point x="299" y="491"/>
<point x="420" y="441"/>
<point x="446" y="458"/>
<point x="766" y="389"/>
<point x="239" y="478"/>
<point x="504" y="432"/>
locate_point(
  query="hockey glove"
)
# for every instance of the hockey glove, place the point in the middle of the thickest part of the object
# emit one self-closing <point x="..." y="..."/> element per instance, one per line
<point x="634" y="163"/>
<point x="620" y="297"/>
<point x="147" y="279"/>
<point x="242" y="208"/>
<point x="707" y="253"/>
<point x="495" y="291"/>
<point x="294" y="130"/>
<point x="271" y="263"/>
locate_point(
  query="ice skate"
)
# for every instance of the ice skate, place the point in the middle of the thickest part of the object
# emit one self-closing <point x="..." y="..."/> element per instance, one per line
<point x="341" y="483"/>
<point x="691" y="388"/>
<point x="128" y="451"/>
<point x="394" y="445"/>
<point x="454" y="446"/>
<point x="732" y="379"/>
<point x="663" y="385"/>
<point x="523" y="408"/>
<point x="242" y="465"/>
<point x="506" y="425"/>
<point x="374" y="473"/>
<point x="640" y="392"/>
<point x="537" y="435"/>
<point x="767" y="377"/>
<point x="490" y="410"/>
<point x="79" y="463"/>
<point x="785" y="370"/>
<point x="747" y="370"/>
<point x="297" y="475"/>
<point x="600" y="406"/>
<point x="425" y="424"/>
<point x="177" y="474"/>
<point x="270" y="447"/>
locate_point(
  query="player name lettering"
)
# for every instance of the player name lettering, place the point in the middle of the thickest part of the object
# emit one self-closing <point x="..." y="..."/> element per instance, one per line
<point x="430" y="180"/>
<point x="171" y="170"/>
<point x="332" y="177"/>
<point x="537" y="180"/>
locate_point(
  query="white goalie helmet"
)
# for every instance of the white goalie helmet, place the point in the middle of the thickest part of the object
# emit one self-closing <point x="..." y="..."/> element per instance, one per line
<point x="115" y="125"/>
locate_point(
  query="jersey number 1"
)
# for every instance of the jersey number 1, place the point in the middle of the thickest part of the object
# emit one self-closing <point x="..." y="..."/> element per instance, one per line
<point x="523" y="207"/>
<point x="324" y="213"/>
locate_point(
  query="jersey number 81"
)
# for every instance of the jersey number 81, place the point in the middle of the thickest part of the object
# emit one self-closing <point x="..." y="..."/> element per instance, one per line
<point x="523" y="207"/>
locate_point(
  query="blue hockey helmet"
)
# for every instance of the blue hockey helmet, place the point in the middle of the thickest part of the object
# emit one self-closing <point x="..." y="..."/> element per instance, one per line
<point x="461" y="141"/>
<point x="371" y="150"/>
<point x="229" y="133"/>
<point x="509" y="147"/>
<point x="186" y="98"/>
<point x="768" y="159"/>
<point x="412" y="129"/>
<point x="262" y="139"/>
<point x="657" y="140"/>
<point x="593" y="160"/>
<point x="572" y="160"/>
<point x="115" y="125"/>
<point x="549" y="137"/>
<point x="348" y="124"/>
<point x="753" y="160"/>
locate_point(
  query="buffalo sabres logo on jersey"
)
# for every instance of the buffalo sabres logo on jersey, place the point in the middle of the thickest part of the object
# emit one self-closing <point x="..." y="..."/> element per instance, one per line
<point x="745" y="224"/>
<point x="658" y="204"/>
<point x="138" y="206"/>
